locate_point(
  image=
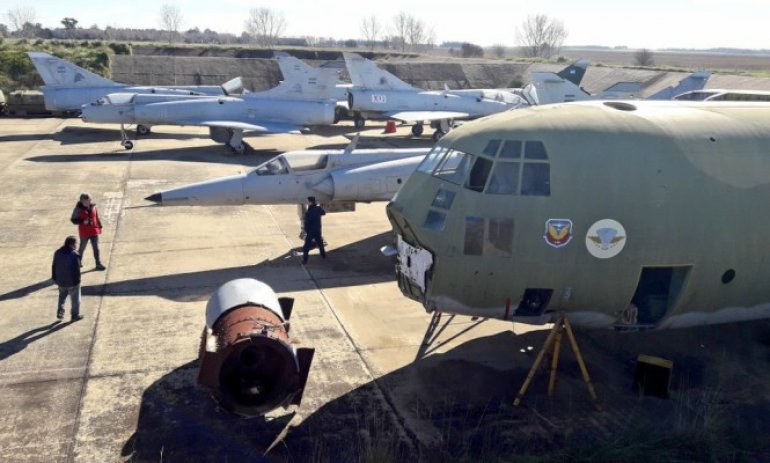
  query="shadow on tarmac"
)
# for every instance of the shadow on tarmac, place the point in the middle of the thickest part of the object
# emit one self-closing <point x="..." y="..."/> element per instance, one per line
<point x="212" y="154"/>
<point x="27" y="290"/>
<point x="20" y="342"/>
<point x="354" y="264"/>
<point x="457" y="406"/>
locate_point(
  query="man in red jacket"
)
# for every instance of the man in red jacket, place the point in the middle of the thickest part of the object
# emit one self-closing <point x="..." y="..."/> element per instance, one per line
<point x="86" y="217"/>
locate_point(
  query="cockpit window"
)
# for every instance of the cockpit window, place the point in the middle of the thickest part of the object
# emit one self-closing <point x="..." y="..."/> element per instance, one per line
<point x="535" y="179"/>
<point x="492" y="147"/>
<point x="479" y="174"/>
<point x="453" y="167"/>
<point x="299" y="162"/>
<point x="444" y="199"/>
<point x="432" y="159"/>
<point x="512" y="175"/>
<point x="504" y="179"/>
<point x="534" y="150"/>
<point x="511" y="149"/>
<point x="275" y="167"/>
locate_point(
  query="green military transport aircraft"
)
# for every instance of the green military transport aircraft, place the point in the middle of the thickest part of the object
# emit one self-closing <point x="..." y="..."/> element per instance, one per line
<point x="644" y="214"/>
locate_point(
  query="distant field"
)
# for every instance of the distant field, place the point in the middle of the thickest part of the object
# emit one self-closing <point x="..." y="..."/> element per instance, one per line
<point x="689" y="60"/>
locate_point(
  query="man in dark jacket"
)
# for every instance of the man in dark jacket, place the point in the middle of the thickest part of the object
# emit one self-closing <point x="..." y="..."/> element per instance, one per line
<point x="65" y="272"/>
<point x="86" y="217"/>
<point x="313" y="228"/>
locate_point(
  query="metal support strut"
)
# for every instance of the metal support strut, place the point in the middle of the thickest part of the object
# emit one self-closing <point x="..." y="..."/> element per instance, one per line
<point x="553" y="344"/>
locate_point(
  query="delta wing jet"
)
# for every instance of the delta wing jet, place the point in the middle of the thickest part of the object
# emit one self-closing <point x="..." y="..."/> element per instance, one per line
<point x="643" y="214"/>
<point x="68" y="87"/>
<point x="337" y="178"/>
<point x="376" y="93"/>
<point x="301" y="99"/>
<point x="547" y="90"/>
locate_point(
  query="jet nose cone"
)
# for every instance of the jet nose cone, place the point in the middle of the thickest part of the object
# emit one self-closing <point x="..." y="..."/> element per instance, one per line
<point x="157" y="198"/>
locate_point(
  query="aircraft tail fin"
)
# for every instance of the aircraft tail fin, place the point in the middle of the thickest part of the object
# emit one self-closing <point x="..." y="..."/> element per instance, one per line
<point x="552" y="88"/>
<point x="574" y="72"/>
<point x="303" y="81"/>
<point x="57" y="72"/>
<point x="695" y="81"/>
<point x="365" y="73"/>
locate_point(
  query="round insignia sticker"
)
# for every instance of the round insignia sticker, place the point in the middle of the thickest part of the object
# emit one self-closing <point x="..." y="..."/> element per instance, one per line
<point x="605" y="239"/>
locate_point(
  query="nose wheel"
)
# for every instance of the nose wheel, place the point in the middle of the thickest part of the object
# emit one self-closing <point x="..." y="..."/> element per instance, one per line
<point x="124" y="141"/>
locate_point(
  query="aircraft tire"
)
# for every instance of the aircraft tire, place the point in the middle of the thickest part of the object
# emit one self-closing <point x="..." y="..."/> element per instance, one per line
<point x="240" y="149"/>
<point x="339" y="113"/>
<point x="142" y="129"/>
<point x="359" y="122"/>
<point x="437" y="135"/>
<point x="417" y="130"/>
<point x="128" y="145"/>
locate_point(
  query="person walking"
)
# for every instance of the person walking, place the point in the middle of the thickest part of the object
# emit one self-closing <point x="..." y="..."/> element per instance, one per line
<point x="313" y="228"/>
<point x="86" y="217"/>
<point x="65" y="272"/>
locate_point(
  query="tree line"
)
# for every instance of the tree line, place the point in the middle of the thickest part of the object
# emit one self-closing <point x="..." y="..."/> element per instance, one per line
<point x="537" y="36"/>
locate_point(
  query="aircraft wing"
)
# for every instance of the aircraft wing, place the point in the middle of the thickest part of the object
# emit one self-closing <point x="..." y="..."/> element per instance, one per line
<point x="256" y="126"/>
<point x="419" y="116"/>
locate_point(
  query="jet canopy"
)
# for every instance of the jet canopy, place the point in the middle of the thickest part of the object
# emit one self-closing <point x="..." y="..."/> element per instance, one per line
<point x="296" y="162"/>
<point x="115" y="99"/>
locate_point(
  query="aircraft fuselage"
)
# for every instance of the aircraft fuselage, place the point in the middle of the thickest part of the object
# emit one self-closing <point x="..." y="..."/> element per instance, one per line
<point x="649" y="214"/>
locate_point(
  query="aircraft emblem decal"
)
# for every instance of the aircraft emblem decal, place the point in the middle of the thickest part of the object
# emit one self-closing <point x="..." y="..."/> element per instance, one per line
<point x="605" y="239"/>
<point x="78" y="77"/>
<point x="558" y="232"/>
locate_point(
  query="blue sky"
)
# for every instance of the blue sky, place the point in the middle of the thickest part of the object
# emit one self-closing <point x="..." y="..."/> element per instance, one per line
<point x="637" y="24"/>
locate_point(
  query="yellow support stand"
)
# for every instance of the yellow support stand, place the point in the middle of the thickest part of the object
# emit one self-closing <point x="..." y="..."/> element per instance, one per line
<point x="553" y="344"/>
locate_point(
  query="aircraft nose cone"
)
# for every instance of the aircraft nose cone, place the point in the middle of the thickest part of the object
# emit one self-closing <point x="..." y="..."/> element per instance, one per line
<point x="157" y="198"/>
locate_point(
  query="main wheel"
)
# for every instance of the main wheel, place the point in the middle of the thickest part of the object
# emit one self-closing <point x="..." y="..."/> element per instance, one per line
<point x="417" y="130"/>
<point x="359" y="122"/>
<point x="128" y="145"/>
<point x="437" y="135"/>
<point x="142" y="129"/>
<point x="240" y="149"/>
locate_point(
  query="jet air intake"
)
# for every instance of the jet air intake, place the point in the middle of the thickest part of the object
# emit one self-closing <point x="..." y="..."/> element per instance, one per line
<point x="247" y="360"/>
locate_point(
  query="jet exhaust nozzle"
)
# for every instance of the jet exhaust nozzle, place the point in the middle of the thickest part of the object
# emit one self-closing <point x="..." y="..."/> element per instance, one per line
<point x="247" y="360"/>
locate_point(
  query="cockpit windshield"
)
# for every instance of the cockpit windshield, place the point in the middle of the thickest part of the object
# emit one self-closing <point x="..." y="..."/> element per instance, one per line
<point x="115" y="99"/>
<point x="307" y="161"/>
<point x="276" y="166"/>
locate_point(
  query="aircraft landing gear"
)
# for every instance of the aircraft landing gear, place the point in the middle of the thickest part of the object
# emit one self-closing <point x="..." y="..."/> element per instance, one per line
<point x="417" y="129"/>
<point x="359" y="122"/>
<point x="442" y="128"/>
<point x="124" y="141"/>
<point x="438" y="135"/>
<point x="236" y="142"/>
<point x="142" y="129"/>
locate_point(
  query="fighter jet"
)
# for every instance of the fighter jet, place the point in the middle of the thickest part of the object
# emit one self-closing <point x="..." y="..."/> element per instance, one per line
<point x="68" y="87"/>
<point x="547" y="90"/>
<point x="337" y="178"/>
<point x="376" y="93"/>
<point x="301" y="99"/>
<point x="619" y="214"/>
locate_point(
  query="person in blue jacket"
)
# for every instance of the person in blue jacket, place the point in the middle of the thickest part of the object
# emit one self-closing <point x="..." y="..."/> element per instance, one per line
<point x="65" y="272"/>
<point x="313" y="228"/>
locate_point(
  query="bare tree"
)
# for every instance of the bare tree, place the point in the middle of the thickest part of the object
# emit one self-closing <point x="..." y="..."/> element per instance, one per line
<point x="644" y="57"/>
<point x="411" y="32"/>
<point x="541" y="36"/>
<point x="19" y="15"/>
<point x="416" y="32"/>
<point x="265" y="26"/>
<point x="498" y="50"/>
<point x="371" y="30"/>
<point x="401" y="30"/>
<point x="170" y="20"/>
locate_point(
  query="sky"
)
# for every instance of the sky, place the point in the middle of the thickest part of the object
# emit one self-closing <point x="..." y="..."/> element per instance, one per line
<point x="652" y="24"/>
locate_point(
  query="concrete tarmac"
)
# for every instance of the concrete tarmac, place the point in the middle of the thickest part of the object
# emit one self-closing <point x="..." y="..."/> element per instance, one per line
<point x="107" y="388"/>
<point x="389" y="382"/>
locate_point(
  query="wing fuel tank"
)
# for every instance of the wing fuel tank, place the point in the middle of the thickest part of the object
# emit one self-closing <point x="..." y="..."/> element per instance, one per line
<point x="247" y="360"/>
